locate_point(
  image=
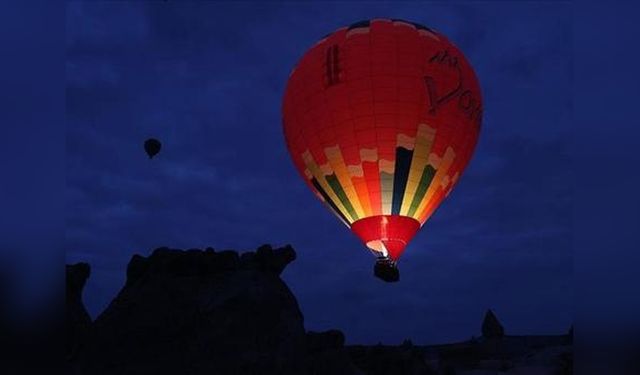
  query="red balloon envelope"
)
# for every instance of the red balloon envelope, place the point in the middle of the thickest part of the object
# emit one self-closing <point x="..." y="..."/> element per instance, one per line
<point x="381" y="118"/>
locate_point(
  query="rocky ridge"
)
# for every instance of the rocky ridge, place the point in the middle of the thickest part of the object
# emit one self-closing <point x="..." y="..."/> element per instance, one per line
<point x="221" y="312"/>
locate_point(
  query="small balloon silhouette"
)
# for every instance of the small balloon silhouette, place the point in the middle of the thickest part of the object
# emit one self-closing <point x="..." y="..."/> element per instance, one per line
<point x="152" y="146"/>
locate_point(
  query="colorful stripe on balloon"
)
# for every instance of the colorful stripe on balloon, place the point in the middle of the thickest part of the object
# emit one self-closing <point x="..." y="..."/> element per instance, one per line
<point x="410" y="185"/>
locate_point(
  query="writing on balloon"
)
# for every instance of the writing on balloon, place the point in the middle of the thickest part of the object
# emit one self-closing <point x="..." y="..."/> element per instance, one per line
<point x="468" y="103"/>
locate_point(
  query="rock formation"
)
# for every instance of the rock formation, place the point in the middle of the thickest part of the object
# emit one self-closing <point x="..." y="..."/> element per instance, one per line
<point x="78" y="321"/>
<point x="327" y="354"/>
<point x="201" y="312"/>
<point x="491" y="327"/>
<point x="217" y="312"/>
<point x="205" y="312"/>
<point x="390" y="360"/>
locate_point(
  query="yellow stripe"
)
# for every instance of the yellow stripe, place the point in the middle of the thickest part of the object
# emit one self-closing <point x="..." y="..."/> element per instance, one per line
<point x="424" y="141"/>
<point x="319" y="175"/>
<point x="447" y="160"/>
<point x="337" y="163"/>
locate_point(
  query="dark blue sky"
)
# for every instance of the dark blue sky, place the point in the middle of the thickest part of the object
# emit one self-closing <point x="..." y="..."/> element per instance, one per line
<point x="208" y="78"/>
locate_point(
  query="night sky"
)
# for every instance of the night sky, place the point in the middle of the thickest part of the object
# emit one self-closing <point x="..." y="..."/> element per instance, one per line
<point x="208" y="78"/>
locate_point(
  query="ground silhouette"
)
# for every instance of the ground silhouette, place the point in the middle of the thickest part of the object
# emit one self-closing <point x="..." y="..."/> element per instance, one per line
<point x="221" y="312"/>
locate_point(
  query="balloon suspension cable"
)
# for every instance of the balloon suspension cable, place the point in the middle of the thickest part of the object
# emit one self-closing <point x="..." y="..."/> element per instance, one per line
<point x="386" y="269"/>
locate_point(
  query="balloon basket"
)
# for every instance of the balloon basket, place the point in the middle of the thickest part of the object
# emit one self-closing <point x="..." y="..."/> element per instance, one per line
<point x="386" y="270"/>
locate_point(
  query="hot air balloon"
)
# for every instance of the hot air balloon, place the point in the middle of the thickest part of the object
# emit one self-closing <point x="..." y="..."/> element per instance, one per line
<point x="380" y="119"/>
<point x="152" y="146"/>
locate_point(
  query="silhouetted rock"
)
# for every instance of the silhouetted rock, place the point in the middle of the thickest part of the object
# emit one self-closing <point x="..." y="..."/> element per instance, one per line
<point x="407" y="344"/>
<point x="390" y="360"/>
<point x="274" y="260"/>
<point x="491" y="327"/>
<point x="77" y="319"/>
<point x="137" y="267"/>
<point x="322" y="341"/>
<point x="327" y="355"/>
<point x="202" y="312"/>
<point x="217" y="312"/>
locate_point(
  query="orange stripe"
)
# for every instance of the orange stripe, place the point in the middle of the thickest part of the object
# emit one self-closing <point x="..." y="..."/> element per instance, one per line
<point x="372" y="179"/>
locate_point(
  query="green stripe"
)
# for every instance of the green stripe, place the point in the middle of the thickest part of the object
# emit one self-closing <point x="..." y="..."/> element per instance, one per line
<point x="328" y="200"/>
<point x="425" y="181"/>
<point x="386" y="186"/>
<point x="337" y="188"/>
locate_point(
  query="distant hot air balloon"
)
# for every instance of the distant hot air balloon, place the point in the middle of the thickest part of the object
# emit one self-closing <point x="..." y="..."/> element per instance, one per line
<point x="380" y="119"/>
<point x="152" y="146"/>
